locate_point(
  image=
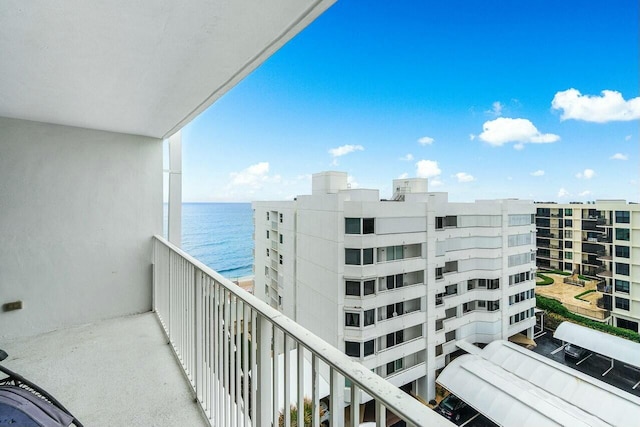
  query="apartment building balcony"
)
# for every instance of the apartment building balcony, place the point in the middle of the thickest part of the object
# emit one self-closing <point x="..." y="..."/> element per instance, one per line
<point x="604" y="287"/>
<point x="603" y="272"/>
<point x="605" y="239"/>
<point x="122" y="372"/>
<point x="603" y="255"/>
<point x="547" y="235"/>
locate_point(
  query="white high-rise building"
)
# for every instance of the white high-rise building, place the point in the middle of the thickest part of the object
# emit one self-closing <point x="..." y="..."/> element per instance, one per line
<point x="394" y="283"/>
<point x="598" y="240"/>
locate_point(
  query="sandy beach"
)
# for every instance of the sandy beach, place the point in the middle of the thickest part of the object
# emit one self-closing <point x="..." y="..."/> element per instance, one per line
<point x="245" y="283"/>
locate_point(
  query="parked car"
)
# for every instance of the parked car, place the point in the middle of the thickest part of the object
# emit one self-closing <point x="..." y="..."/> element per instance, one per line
<point x="452" y="408"/>
<point x="572" y="351"/>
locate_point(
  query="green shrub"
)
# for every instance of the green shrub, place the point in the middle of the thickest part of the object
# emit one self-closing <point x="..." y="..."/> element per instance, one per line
<point x="545" y="280"/>
<point x="553" y="306"/>
<point x="583" y="294"/>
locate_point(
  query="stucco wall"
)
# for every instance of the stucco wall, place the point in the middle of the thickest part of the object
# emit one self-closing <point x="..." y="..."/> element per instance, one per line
<point x="78" y="208"/>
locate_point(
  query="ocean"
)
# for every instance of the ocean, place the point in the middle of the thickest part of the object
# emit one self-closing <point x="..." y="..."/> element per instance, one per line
<point x="220" y="236"/>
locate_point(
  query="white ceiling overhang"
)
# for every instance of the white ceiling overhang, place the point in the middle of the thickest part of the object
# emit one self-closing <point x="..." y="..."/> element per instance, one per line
<point x="138" y="67"/>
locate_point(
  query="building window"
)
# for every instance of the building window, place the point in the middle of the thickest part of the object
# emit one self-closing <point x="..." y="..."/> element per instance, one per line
<point x="352" y="288"/>
<point x="369" y="348"/>
<point x="482" y="304"/>
<point x="369" y="317"/>
<point x="352" y="319"/>
<point x="568" y="255"/>
<point x="493" y="284"/>
<point x="352" y="348"/>
<point x="352" y="225"/>
<point x="369" y="287"/>
<point x="352" y="256"/>
<point x="622" y="251"/>
<point x="450" y="266"/>
<point x="568" y="223"/>
<point x="622" y="217"/>
<point x="280" y="259"/>
<point x="568" y="212"/>
<point x="281" y="218"/>
<point x="394" y="252"/>
<point x="367" y="256"/>
<point x="267" y="234"/>
<point x="622" y="268"/>
<point x="394" y="366"/>
<point x="368" y="225"/>
<point x="521" y="219"/>
<point x="627" y="324"/>
<point x="359" y="225"/>
<point x="450" y="221"/>
<point x="439" y="222"/>
<point x="267" y="252"/>
<point x="622" y="234"/>
<point x="568" y="244"/>
<point x="395" y="338"/>
<point x="267" y="216"/>
<point x="568" y="234"/>
<point x="622" y="286"/>
<point x="493" y="305"/>
<point x="439" y="273"/>
<point x="622" y="303"/>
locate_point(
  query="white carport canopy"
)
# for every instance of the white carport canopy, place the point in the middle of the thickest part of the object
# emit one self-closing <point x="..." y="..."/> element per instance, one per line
<point x="607" y="345"/>
<point x="516" y="387"/>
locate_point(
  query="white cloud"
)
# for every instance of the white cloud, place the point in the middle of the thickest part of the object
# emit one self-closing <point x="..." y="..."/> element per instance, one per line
<point x="539" y="172"/>
<point x="464" y="177"/>
<point x="521" y="131"/>
<point x="563" y="193"/>
<point x="586" y="174"/>
<point x="254" y="177"/>
<point x="343" y="150"/>
<point x="427" y="169"/>
<point x="472" y="137"/>
<point x="608" y="107"/>
<point x="407" y="158"/>
<point x="584" y="193"/>
<point x="435" y="182"/>
<point x="403" y="176"/>
<point x="619" y="156"/>
<point x="426" y="140"/>
<point x="496" y="109"/>
<point x="352" y="182"/>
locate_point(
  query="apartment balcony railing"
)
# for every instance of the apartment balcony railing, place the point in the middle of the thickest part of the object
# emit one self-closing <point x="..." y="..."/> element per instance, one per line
<point x="237" y="353"/>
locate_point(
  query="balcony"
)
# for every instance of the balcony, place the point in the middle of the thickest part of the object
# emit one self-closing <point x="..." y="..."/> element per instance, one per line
<point x="116" y="372"/>
<point x="602" y="272"/>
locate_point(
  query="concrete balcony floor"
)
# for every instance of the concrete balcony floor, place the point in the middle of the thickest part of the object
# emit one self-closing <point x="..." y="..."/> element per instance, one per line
<point x="115" y="372"/>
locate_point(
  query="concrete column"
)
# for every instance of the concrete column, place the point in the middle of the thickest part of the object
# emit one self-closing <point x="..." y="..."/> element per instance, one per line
<point x="175" y="189"/>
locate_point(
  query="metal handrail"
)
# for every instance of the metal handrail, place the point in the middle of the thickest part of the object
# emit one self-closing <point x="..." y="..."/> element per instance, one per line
<point x="188" y="350"/>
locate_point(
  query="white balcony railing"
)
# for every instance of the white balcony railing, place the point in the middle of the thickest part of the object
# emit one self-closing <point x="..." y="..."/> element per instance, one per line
<point x="223" y="337"/>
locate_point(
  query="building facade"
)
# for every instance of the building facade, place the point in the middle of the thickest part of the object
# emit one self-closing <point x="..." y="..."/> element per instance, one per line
<point x="394" y="283"/>
<point x="600" y="240"/>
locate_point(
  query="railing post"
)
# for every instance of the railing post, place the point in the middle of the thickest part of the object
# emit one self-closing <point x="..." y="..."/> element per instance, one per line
<point x="263" y="346"/>
<point x="198" y="336"/>
<point x="336" y="407"/>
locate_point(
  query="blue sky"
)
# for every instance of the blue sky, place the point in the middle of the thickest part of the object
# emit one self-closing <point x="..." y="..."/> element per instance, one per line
<point x="488" y="99"/>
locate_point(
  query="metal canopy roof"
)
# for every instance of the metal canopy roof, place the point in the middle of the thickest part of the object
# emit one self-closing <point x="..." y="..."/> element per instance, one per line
<point x="143" y="67"/>
<point x="607" y="345"/>
<point x="516" y="387"/>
